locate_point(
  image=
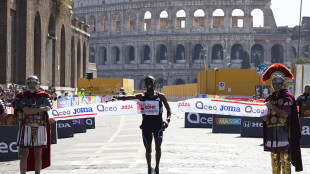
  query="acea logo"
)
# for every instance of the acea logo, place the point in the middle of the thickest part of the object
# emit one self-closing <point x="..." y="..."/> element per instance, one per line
<point x="195" y="118"/>
<point x="200" y="105"/>
<point x="250" y="109"/>
<point x="228" y="121"/>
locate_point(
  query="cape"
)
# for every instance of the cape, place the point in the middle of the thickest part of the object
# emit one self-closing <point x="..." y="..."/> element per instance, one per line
<point x="295" y="129"/>
<point x="46" y="152"/>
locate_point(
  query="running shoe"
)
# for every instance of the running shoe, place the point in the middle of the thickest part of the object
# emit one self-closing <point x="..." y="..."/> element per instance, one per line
<point x="156" y="170"/>
<point x="150" y="170"/>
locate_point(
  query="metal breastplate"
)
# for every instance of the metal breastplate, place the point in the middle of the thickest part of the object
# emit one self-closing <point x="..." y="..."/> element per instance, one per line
<point x="37" y="103"/>
<point x="306" y="101"/>
<point x="273" y="119"/>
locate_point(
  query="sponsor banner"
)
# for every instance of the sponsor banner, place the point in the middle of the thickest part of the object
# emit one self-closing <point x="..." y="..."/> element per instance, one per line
<point x="74" y="101"/>
<point x="226" y="124"/>
<point x="95" y="99"/>
<point x="197" y="120"/>
<point x="65" y="129"/>
<point x="223" y="107"/>
<point x="251" y="127"/>
<point x="79" y="126"/>
<point x="105" y="109"/>
<point x="8" y="145"/>
<point x="84" y="100"/>
<point x="90" y="123"/>
<point x="227" y="121"/>
<point x="305" y="131"/>
<point x="64" y="102"/>
<point x="54" y="133"/>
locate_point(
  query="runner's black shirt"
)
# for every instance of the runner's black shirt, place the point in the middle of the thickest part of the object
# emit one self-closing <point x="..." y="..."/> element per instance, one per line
<point x="150" y="122"/>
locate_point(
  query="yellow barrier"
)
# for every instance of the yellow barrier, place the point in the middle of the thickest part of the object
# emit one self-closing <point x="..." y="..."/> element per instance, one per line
<point x="230" y="82"/>
<point x="180" y="90"/>
<point x="106" y="85"/>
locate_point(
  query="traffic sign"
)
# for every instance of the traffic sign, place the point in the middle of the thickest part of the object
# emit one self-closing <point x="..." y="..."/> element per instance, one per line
<point x="261" y="69"/>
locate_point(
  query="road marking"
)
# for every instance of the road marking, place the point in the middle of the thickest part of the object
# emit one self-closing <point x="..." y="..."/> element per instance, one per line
<point x="121" y="124"/>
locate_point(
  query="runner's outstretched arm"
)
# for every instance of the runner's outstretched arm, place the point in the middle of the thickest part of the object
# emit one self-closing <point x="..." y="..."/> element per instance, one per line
<point x="129" y="97"/>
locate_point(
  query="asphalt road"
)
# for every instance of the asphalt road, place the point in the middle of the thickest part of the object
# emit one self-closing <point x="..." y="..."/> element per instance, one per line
<point x="115" y="147"/>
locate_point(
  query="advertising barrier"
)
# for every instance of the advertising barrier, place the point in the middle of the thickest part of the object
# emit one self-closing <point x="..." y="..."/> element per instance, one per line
<point x="305" y="131"/>
<point x="90" y="123"/>
<point x="54" y="133"/>
<point x="226" y="124"/>
<point x="105" y="109"/>
<point x="79" y="125"/>
<point x="8" y="145"/>
<point x="197" y="120"/>
<point x="251" y="127"/>
<point x="223" y="107"/>
<point x="65" y="129"/>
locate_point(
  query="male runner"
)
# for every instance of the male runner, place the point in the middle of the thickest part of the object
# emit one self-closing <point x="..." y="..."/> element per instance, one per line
<point x="152" y="125"/>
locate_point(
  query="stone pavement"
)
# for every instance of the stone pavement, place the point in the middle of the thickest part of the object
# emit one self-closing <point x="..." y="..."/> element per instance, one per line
<point x="115" y="147"/>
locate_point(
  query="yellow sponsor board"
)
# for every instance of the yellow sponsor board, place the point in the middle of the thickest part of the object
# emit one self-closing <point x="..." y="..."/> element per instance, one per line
<point x="105" y="85"/>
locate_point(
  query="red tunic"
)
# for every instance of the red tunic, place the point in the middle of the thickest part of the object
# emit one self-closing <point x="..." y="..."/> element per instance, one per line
<point x="295" y="132"/>
<point x="46" y="152"/>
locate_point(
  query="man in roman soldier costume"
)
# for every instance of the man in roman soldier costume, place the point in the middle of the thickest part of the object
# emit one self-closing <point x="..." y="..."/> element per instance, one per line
<point x="303" y="101"/>
<point x="34" y="134"/>
<point x="281" y="124"/>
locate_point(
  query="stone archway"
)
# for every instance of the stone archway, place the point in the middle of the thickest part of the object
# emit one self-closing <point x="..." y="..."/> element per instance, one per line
<point x="146" y="54"/>
<point x="217" y="54"/>
<point x="115" y="53"/>
<point x="277" y="54"/>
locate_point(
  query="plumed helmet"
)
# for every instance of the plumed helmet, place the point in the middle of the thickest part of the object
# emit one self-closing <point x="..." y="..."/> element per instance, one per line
<point x="278" y="79"/>
<point x="277" y="73"/>
<point x="32" y="79"/>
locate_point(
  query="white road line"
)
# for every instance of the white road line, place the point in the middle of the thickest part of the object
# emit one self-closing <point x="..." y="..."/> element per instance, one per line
<point x="121" y="124"/>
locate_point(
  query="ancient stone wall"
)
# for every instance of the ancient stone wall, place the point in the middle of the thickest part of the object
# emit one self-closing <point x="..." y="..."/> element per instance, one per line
<point x="34" y="42"/>
<point x="174" y="39"/>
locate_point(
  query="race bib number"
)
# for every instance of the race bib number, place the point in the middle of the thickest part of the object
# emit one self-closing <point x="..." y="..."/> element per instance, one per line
<point x="148" y="107"/>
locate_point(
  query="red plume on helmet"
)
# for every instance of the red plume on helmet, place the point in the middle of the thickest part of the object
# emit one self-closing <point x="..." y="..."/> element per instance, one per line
<point x="278" y="69"/>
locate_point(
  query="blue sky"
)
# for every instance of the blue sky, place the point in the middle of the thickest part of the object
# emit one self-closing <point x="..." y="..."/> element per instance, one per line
<point x="286" y="12"/>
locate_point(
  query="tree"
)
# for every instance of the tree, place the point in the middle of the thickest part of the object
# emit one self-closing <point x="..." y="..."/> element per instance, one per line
<point x="300" y="60"/>
<point x="245" y="60"/>
<point x="257" y="60"/>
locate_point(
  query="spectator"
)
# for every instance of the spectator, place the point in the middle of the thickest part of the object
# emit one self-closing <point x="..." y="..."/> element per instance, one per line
<point x="82" y="93"/>
<point x="1" y="89"/>
<point x="54" y="96"/>
<point x="24" y="89"/>
<point x="62" y="94"/>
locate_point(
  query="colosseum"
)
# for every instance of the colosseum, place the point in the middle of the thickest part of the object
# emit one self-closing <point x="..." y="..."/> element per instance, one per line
<point x="175" y="39"/>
